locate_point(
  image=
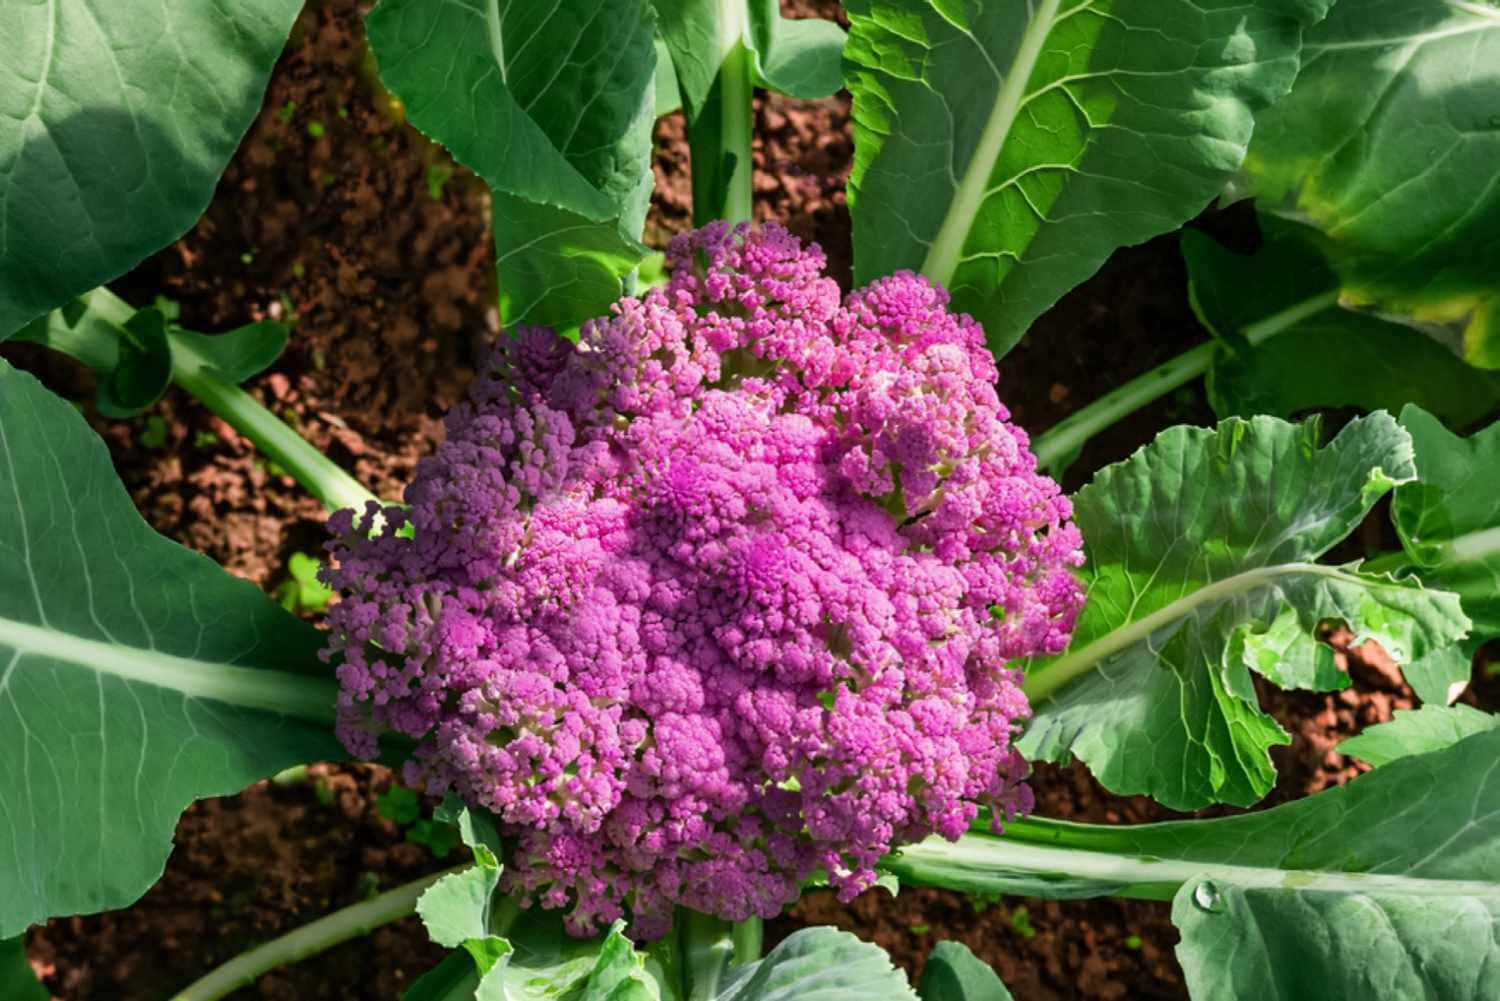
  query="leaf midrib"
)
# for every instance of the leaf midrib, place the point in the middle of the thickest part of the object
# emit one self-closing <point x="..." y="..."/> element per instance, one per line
<point x="943" y="256"/>
<point x="301" y="696"/>
<point x="495" y="25"/>
<point x="1154" y="877"/>
<point x="1070" y="666"/>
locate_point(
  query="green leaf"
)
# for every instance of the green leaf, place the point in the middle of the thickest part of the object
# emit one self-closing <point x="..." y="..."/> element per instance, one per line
<point x="120" y="116"/>
<point x="134" y="352"/>
<point x="823" y="963"/>
<point x="438" y="838"/>
<point x="572" y="271"/>
<point x="1417" y="731"/>
<point x="548" y="963"/>
<point x="1387" y="145"/>
<point x="552" y="104"/>
<point x="953" y="973"/>
<point x="1381" y="888"/>
<point x="135" y="675"/>
<point x="1449" y="521"/>
<point x="1441" y="676"/>
<point x="240" y="353"/>
<point x="132" y="359"/>
<point x="1282" y="942"/>
<point x="17" y="979"/>
<point x="698" y="35"/>
<point x="798" y="57"/>
<point x="1006" y="149"/>
<point x="1286" y="347"/>
<point x="303" y="591"/>
<point x="1201" y="570"/>
<point x="528" y="960"/>
<point x="144" y="368"/>
<point x="457" y="907"/>
<point x="668" y="95"/>
<point x="620" y="973"/>
<point x="1355" y="838"/>
<point x="399" y="805"/>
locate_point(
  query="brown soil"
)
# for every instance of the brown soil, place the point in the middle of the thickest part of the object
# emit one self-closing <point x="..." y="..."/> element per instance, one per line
<point x="338" y="215"/>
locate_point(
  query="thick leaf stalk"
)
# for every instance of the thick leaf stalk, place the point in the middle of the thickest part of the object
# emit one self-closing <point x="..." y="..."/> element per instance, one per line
<point x="310" y="940"/>
<point x="1060" y="444"/>
<point x="198" y="374"/>
<point x="720" y="138"/>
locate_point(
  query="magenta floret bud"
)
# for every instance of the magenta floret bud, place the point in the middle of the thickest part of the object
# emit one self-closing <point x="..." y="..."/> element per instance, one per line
<point x="726" y="594"/>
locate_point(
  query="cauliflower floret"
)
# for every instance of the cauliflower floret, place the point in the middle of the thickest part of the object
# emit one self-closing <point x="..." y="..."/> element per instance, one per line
<point x="721" y="596"/>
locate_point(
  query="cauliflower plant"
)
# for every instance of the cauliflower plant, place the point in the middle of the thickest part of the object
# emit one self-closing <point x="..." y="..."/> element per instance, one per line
<point x="720" y="597"/>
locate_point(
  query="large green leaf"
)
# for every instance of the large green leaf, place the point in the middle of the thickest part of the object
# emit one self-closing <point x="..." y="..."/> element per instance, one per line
<point x="135" y="675"/>
<point x="552" y="104"/>
<point x="1449" y="521"/>
<point x="1387" y="144"/>
<point x="1417" y="731"/>
<point x="1287" y="347"/>
<point x="1201" y="570"/>
<point x="1006" y="149"/>
<point x="116" y="119"/>
<point x="1382" y="888"/>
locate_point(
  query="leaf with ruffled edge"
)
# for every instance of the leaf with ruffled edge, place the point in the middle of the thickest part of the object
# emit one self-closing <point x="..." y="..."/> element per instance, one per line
<point x="1417" y="731"/>
<point x="1202" y="569"/>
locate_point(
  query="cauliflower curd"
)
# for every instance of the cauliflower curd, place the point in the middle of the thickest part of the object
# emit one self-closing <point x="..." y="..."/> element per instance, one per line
<point x="720" y="597"/>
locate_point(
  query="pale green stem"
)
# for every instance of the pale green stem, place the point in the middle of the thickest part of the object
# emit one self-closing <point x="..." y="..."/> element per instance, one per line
<point x="1074" y="664"/>
<point x="723" y="132"/>
<point x="737" y="129"/>
<point x="310" y="940"/>
<point x="304" y="696"/>
<point x="1386" y="563"/>
<point x="1068" y="435"/>
<point x="943" y="255"/>
<point x="749" y="940"/>
<point x="708" y="949"/>
<point x="1474" y="546"/>
<point x="1468" y="548"/>
<point x="1071" y="867"/>
<point x="289" y="450"/>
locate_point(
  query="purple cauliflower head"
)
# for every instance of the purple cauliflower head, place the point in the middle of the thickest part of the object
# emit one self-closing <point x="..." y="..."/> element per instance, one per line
<point x="719" y="597"/>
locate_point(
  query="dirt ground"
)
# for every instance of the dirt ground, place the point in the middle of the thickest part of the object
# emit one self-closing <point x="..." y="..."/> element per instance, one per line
<point x="337" y="215"/>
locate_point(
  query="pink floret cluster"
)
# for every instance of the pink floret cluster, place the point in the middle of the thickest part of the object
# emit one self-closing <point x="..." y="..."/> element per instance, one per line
<point x="718" y="599"/>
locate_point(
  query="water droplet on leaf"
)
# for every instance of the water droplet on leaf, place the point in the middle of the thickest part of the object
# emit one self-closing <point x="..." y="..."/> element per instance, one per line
<point x="1208" y="898"/>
